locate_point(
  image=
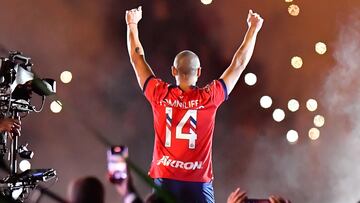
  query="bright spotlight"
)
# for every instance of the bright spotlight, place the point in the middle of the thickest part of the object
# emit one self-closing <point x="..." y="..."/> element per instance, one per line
<point x="265" y="102"/>
<point x="66" y="77"/>
<point x="314" y="133"/>
<point x="296" y="62"/>
<point x="24" y="165"/>
<point x="311" y="104"/>
<point x="293" y="105"/>
<point x="250" y="79"/>
<point x="319" y="121"/>
<point x="206" y="2"/>
<point x="56" y="106"/>
<point x="278" y="115"/>
<point x="292" y="136"/>
<point x="294" y="10"/>
<point x="320" y="48"/>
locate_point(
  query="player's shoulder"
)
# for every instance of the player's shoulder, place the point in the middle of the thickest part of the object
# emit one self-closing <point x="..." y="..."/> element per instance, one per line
<point x="209" y="86"/>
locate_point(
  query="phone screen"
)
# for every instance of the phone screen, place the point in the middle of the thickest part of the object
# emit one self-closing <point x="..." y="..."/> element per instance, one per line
<point x="117" y="169"/>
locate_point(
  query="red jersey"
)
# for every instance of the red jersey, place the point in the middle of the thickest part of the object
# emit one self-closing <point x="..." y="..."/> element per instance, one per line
<point x="184" y="126"/>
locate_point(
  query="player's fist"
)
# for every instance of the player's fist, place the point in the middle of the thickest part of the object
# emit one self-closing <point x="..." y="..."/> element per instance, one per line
<point x="133" y="16"/>
<point x="254" y="20"/>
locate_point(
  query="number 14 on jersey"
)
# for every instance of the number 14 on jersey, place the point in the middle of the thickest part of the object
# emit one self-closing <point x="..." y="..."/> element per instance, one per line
<point x="190" y="116"/>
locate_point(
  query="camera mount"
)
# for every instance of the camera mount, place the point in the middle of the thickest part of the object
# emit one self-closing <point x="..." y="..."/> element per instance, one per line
<point x="17" y="83"/>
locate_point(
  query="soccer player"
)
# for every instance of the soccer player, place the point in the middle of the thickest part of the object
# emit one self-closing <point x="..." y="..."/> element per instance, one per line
<point x="184" y="114"/>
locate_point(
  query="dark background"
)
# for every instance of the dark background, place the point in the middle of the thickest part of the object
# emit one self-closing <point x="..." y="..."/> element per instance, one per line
<point x="250" y="149"/>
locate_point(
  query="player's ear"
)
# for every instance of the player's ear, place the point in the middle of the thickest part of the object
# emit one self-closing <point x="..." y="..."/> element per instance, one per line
<point x="174" y="71"/>
<point x="198" y="72"/>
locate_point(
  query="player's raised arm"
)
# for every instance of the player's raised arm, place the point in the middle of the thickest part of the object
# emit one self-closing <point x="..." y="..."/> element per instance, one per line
<point x="244" y="52"/>
<point x="135" y="49"/>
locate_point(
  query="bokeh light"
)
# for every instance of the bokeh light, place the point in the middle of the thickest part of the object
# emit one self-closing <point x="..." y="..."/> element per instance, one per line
<point x="319" y="121"/>
<point x="66" y="76"/>
<point x="320" y="48"/>
<point x="294" y="10"/>
<point x="314" y="133"/>
<point x="296" y="62"/>
<point x="287" y="1"/>
<point x="292" y="136"/>
<point x="206" y="2"/>
<point x="293" y="105"/>
<point x="311" y="104"/>
<point x="278" y="115"/>
<point x="24" y="165"/>
<point x="250" y="79"/>
<point x="265" y="102"/>
<point x="56" y="106"/>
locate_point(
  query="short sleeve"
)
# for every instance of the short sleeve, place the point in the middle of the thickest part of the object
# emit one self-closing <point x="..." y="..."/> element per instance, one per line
<point x="219" y="91"/>
<point x="154" y="89"/>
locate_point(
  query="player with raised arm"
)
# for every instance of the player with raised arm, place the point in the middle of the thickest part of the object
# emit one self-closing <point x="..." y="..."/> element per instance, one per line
<point x="184" y="114"/>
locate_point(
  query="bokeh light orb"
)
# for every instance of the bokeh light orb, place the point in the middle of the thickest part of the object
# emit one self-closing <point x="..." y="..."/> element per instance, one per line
<point x="66" y="76"/>
<point x="24" y="165"/>
<point x="288" y="1"/>
<point x="278" y="115"/>
<point x="250" y="79"/>
<point x="311" y="104"/>
<point x="206" y="2"/>
<point x="56" y="106"/>
<point x="296" y="62"/>
<point x="319" y="121"/>
<point x="293" y="105"/>
<point x="294" y="10"/>
<point x="292" y="136"/>
<point x="314" y="133"/>
<point x="265" y="102"/>
<point x="320" y="48"/>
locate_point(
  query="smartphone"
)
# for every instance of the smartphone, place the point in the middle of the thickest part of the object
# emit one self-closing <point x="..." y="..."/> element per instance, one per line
<point x="116" y="163"/>
<point x="257" y="201"/>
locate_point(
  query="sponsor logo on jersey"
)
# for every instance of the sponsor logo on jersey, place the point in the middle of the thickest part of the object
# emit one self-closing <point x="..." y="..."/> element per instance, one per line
<point x="166" y="161"/>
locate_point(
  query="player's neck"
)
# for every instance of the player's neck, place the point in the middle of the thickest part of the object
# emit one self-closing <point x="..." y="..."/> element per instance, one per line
<point x="185" y="87"/>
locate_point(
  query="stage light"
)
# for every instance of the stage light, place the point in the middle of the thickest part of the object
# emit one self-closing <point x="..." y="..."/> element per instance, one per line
<point x="278" y="115"/>
<point x="314" y="133"/>
<point x="265" y="102"/>
<point x="293" y="105"/>
<point x="319" y="121"/>
<point x="320" y="48"/>
<point x="206" y="2"/>
<point x="294" y="10"/>
<point x="56" y="106"/>
<point x="292" y="136"/>
<point x="66" y="76"/>
<point x="250" y="79"/>
<point x="311" y="104"/>
<point x="296" y="62"/>
<point x="24" y="165"/>
<point x="288" y="1"/>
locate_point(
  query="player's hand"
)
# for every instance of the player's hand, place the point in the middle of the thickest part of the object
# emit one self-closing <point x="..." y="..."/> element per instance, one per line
<point x="254" y="20"/>
<point x="9" y="124"/>
<point x="237" y="196"/>
<point x="133" y="16"/>
<point x="277" y="199"/>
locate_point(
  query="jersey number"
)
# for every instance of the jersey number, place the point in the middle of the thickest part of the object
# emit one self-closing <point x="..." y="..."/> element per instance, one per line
<point x="190" y="116"/>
